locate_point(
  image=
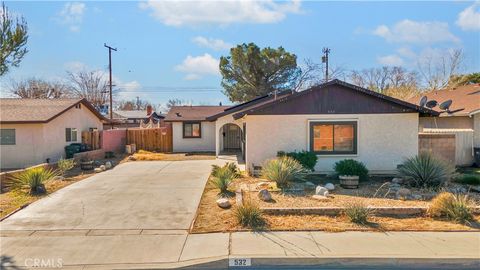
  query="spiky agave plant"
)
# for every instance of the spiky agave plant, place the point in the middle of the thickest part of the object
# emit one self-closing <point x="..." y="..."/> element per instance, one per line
<point x="426" y="171"/>
<point x="34" y="178"/>
<point x="222" y="179"/>
<point x="283" y="171"/>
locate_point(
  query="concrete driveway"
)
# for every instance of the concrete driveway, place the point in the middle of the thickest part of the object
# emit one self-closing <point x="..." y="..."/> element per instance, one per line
<point x="160" y="195"/>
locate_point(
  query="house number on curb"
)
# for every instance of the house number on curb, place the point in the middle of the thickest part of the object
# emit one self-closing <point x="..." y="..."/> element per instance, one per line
<point x="240" y="262"/>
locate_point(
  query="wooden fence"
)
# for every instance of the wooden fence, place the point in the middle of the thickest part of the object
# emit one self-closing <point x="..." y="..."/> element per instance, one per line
<point x="91" y="138"/>
<point x="151" y="139"/>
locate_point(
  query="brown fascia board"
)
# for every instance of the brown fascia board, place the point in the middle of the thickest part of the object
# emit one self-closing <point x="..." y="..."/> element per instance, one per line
<point x="419" y="109"/>
<point x="83" y="101"/>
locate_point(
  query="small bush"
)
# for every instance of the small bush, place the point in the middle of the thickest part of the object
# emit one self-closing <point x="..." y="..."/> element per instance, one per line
<point x="231" y="166"/>
<point x="358" y="213"/>
<point x="306" y="158"/>
<point x="283" y="170"/>
<point x="249" y="215"/>
<point x="426" y="171"/>
<point x="65" y="165"/>
<point x="455" y="207"/>
<point x="351" y="167"/>
<point x="34" y="179"/>
<point x="224" y="176"/>
<point x="468" y="179"/>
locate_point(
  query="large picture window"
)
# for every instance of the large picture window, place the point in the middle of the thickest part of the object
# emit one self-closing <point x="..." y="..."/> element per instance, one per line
<point x="333" y="138"/>
<point x="192" y="130"/>
<point x="7" y="136"/>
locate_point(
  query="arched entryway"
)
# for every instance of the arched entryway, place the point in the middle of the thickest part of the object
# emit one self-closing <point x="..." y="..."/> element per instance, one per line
<point x="231" y="138"/>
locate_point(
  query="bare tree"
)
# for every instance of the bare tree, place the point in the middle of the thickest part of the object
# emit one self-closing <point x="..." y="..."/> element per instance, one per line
<point x="174" y="102"/>
<point x="91" y="85"/>
<point x="131" y="105"/>
<point x="437" y="70"/>
<point x="38" y="88"/>
<point x="313" y="74"/>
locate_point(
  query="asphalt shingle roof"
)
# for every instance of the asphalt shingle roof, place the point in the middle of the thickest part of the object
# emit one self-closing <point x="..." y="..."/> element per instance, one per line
<point x="192" y="113"/>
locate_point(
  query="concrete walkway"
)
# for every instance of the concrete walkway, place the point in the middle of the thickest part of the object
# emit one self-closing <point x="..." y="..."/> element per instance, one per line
<point x="167" y="249"/>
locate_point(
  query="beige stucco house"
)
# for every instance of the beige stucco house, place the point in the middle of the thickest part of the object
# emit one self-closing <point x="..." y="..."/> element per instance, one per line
<point x="335" y="120"/>
<point x="34" y="131"/>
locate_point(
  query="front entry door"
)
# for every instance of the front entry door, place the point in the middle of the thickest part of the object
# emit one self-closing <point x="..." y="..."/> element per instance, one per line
<point x="231" y="137"/>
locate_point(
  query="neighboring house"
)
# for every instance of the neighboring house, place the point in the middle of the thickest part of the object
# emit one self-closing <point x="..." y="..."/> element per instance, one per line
<point x="336" y="120"/>
<point x="461" y="125"/>
<point x="136" y="118"/>
<point x="34" y="131"/>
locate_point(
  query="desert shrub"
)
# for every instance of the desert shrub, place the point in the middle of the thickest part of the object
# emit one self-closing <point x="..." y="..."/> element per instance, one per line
<point x="426" y="171"/>
<point x="306" y="158"/>
<point x="231" y="166"/>
<point x="283" y="170"/>
<point x="249" y="215"/>
<point x="455" y="207"/>
<point x="65" y="165"/>
<point x="358" y="213"/>
<point x="34" y="179"/>
<point x="351" y="167"/>
<point x="468" y="179"/>
<point x="222" y="179"/>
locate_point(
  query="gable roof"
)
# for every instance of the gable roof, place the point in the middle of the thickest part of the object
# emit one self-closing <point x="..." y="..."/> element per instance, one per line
<point x="344" y="98"/>
<point x="192" y="113"/>
<point x="25" y="110"/>
<point x="466" y="97"/>
<point x="249" y="104"/>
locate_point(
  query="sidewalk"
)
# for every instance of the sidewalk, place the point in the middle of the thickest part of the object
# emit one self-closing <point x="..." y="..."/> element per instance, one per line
<point x="134" y="249"/>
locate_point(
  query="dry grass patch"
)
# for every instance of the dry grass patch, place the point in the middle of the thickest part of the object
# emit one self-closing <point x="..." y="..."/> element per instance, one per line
<point x="154" y="156"/>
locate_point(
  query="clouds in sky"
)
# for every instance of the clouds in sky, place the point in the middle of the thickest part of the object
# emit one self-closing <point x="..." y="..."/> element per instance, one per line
<point x="469" y="18"/>
<point x="390" y="60"/>
<point x="198" y="66"/>
<point x="72" y="15"/>
<point x="408" y="31"/>
<point x="181" y="13"/>
<point x="214" y="44"/>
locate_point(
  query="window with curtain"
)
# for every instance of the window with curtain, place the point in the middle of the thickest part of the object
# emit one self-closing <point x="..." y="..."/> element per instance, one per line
<point x="331" y="138"/>
<point x="192" y="130"/>
<point x="71" y="134"/>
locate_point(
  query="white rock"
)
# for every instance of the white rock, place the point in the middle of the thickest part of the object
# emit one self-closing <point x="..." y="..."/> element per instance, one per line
<point x="397" y="180"/>
<point x="321" y="191"/>
<point x="108" y="165"/>
<point x="264" y="195"/>
<point x="97" y="170"/>
<point x="102" y="167"/>
<point x="320" y="197"/>
<point x="223" y="203"/>
<point x="330" y="186"/>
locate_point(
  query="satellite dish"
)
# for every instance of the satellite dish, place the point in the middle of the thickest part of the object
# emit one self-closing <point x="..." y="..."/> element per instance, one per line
<point x="445" y="106"/>
<point x="423" y="100"/>
<point x="430" y="104"/>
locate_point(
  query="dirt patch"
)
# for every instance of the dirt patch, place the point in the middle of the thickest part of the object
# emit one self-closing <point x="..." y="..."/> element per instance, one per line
<point x="154" y="156"/>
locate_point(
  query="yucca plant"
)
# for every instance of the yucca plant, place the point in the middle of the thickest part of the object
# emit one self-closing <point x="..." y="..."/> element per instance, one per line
<point x="426" y="171"/>
<point x="222" y="179"/>
<point x="455" y="207"/>
<point x="65" y="165"/>
<point x="358" y="213"/>
<point x="35" y="179"/>
<point x="249" y="215"/>
<point x="231" y="166"/>
<point x="283" y="171"/>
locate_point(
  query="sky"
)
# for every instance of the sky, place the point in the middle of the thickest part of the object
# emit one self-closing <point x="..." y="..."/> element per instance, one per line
<point x="171" y="49"/>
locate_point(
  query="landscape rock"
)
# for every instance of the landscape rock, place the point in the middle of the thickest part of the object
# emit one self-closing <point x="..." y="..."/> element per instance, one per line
<point x="309" y="185"/>
<point x="429" y="196"/>
<point x="108" y="165"/>
<point x="40" y="189"/>
<point x="102" y="167"/>
<point x="97" y="170"/>
<point x="58" y="178"/>
<point x="403" y="193"/>
<point x="322" y="191"/>
<point x="330" y="186"/>
<point x="395" y="186"/>
<point x="320" y="197"/>
<point x="458" y="190"/>
<point x="416" y="197"/>
<point x="397" y="180"/>
<point x="224" y="203"/>
<point x="264" y="195"/>
<point x="132" y="158"/>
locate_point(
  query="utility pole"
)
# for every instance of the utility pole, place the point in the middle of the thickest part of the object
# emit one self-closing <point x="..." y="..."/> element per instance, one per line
<point x="326" y="51"/>
<point x="138" y="103"/>
<point x="110" y="72"/>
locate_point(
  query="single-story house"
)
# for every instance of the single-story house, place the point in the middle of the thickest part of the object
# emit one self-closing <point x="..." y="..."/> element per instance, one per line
<point x="35" y="131"/>
<point x="459" y="126"/>
<point x="136" y="119"/>
<point x="335" y="120"/>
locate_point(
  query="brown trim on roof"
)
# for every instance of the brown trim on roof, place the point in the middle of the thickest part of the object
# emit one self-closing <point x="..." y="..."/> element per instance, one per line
<point x="81" y="101"/>
<point x="402" y="104"/>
